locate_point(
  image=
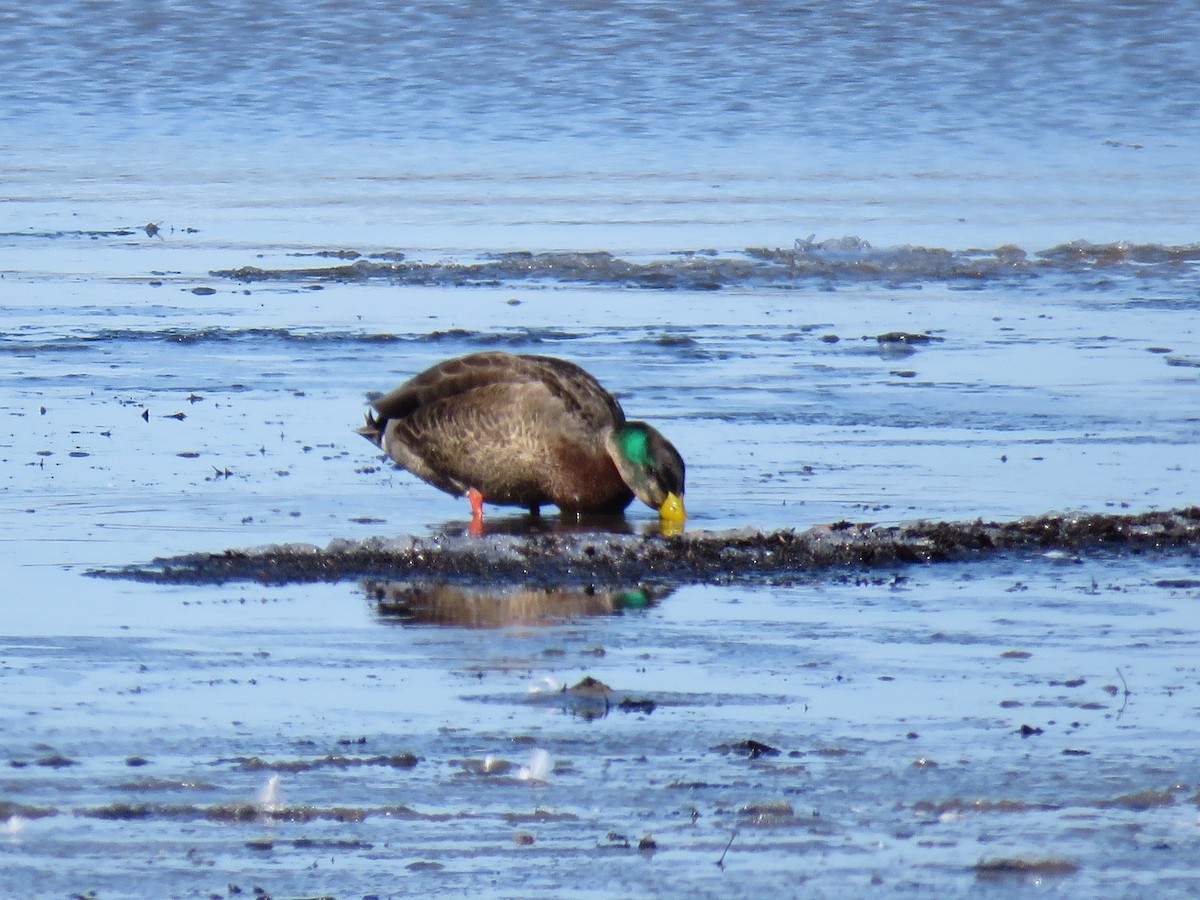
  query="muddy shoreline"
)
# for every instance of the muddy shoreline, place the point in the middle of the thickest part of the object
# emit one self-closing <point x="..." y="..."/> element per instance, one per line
<point x="838" y="259"/>
<point x="702" y="557"/>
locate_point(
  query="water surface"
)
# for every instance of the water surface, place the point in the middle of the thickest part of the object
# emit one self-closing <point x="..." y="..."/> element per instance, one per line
<point x="719" y="213"/>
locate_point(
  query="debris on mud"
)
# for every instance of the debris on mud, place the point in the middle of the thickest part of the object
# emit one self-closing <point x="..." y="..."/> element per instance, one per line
<point x="846" y="259"/>
<point x="588" y="559"/>
<point x="589" y="699"/>
<point x="395" y="761"/>
<point x="772" y="813"/>
<point x="992" y="869"/>
<point x="749" y="748"/>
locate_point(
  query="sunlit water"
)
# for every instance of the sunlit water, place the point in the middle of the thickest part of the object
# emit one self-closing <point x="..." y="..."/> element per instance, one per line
<point x="162" y="399"/>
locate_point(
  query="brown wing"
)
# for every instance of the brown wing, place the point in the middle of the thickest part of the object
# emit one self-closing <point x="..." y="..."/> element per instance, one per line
<point x="581" y="395"/>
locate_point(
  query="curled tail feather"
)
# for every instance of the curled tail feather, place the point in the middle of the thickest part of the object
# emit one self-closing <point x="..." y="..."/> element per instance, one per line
<point x="373" y="430"/>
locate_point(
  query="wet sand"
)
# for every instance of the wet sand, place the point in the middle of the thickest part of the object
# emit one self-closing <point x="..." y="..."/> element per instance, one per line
<point x="996" y="723"/>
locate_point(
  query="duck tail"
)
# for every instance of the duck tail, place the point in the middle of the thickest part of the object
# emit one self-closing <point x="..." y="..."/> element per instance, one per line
<point x="373" y="430"/>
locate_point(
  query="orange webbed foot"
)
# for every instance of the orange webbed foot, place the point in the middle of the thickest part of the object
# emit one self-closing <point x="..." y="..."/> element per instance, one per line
<point x="476" y="499"/>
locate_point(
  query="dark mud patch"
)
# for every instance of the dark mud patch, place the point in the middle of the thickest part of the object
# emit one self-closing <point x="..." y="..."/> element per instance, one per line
<point x="259" y="811"/>
<point x="1019" y="868"/>
<point x="773" y="813"/>
<point x="847" y="259"/>
<point x="539" y="816"/>
<point x="54" y="235"/>
<point x="937" y="810"/>
<point x="149" y="785"/>
<point x="749" y="748"/>
<point x="1139" y="801"/>
<point x="51" y="761"/>
<point x="395" y="761"/>
<point x="10" y="810"/>
<point x="588" y="699"/>
<point x="575" y="559"/>
<point x="235" y="813"/>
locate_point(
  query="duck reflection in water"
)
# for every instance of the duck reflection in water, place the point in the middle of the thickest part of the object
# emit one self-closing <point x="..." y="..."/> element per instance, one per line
<point x="491" y="606"/>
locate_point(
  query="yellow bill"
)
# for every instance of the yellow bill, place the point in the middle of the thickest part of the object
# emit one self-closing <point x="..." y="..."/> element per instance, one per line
<point x="672" y="513"/>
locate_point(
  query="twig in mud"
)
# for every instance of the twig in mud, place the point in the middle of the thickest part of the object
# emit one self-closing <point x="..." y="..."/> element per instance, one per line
<point x="721" y="861"/>
<point x="1126" y="693"/>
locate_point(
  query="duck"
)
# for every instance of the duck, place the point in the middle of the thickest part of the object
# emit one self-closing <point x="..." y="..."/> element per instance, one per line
<point x="530" y="431"/>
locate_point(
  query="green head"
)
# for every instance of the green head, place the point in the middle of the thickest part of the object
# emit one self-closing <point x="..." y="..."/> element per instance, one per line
<point x="650" y="466"/>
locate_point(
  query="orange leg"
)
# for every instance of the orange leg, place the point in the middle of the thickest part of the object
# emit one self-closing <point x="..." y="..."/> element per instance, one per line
<point x="476" y="499"/>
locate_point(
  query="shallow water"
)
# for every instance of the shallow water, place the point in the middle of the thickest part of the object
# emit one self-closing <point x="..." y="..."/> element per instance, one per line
<point x="177" y="421"/>
<point x="890" y="713"/>
<point x="1018" y="186"/>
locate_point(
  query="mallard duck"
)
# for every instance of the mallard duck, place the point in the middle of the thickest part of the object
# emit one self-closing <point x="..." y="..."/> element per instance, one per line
<point x="531" y="431"/>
